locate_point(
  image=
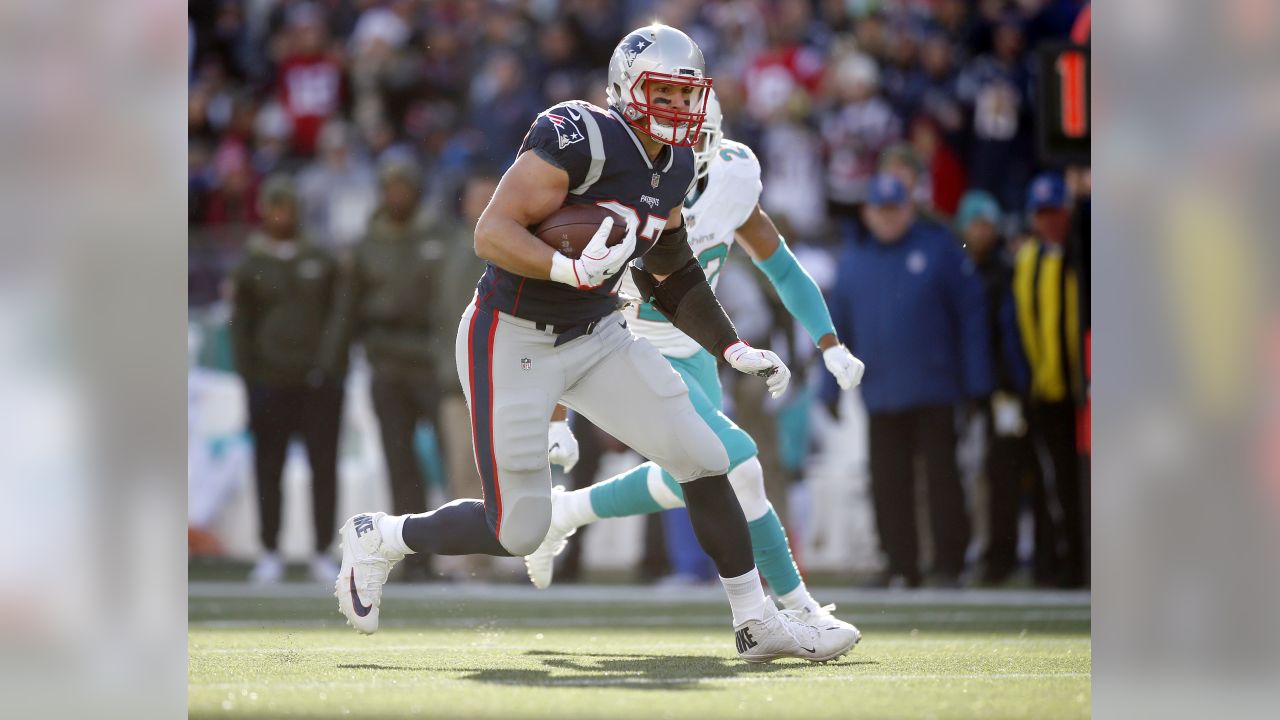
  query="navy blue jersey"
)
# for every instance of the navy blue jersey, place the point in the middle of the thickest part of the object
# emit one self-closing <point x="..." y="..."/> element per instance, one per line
<point x="609" y="167"/>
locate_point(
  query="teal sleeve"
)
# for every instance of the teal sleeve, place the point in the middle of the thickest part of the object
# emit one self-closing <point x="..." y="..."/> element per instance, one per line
<point x="799" y="293"/>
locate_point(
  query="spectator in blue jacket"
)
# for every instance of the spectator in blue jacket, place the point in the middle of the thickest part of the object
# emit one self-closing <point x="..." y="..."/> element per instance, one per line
<point x="909" y="304"/>
<point x="1009" y="458"/>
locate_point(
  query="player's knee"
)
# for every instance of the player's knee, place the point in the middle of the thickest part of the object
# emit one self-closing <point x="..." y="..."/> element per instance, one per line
<point x="525" y="523"/>
<point x="705" y="447"/>
<point x="738" y="444"/>
<point x="710" y="457"/>
<point x="747" y="479"/>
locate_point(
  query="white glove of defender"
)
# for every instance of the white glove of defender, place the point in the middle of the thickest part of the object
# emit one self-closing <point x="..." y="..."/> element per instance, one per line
<point x="562" y="446"/>
<point x="841" y="363"/>
<point x="597" y="263"/>
<point x="764" y="363"/>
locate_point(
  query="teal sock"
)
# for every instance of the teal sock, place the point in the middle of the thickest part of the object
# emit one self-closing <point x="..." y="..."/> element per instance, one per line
<point x="773" y="554"/>
<point x="629" y="494"/>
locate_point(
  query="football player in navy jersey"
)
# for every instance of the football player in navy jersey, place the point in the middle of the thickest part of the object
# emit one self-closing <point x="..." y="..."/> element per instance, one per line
<point x="722" y="210"/>
<point x="545" y="329"/>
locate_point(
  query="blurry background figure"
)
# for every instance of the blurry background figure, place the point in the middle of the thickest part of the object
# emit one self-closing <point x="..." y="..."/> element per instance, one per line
<point x="943" y="178"/>
<point x="996" y="87"/>
<point x="857" y="127"/>
<point x="293" y="362"/>
<point x="216" y="453"/>
<point x="1048" y="303"/>
<point x="396" y="273"/>
<point x="503" y="99"/>
<point x="903" y="162"/>
<point x="1008" y="458"/>
<point x="309" y="76"/>
<point x="907" y="302"/>
<point x="338" y="190"/>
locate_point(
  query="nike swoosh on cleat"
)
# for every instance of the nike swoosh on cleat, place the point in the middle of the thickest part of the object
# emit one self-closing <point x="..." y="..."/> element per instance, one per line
<point x="362" y="609"/>
<point x="808" y="650"/>
<point x="553" y="447"/>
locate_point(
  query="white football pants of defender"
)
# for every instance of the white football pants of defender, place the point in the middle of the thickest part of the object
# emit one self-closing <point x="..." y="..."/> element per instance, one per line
<point x="513" y="376"/>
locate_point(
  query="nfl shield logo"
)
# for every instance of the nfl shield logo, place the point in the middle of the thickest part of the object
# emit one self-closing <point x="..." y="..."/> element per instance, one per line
<point x="653" y="182"/>
<point x="526" y="364"/>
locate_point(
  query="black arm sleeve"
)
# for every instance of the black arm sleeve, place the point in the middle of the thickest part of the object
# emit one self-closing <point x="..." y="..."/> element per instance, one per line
<point x="670" y="253"/>
<point x="686" y="299"/>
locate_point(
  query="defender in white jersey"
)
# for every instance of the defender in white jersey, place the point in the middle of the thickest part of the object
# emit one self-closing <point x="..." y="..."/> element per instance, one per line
<point x="721" y="208"/>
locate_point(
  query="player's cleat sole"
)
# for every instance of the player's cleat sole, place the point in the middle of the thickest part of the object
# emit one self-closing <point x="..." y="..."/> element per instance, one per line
<point x="366" y="562"/>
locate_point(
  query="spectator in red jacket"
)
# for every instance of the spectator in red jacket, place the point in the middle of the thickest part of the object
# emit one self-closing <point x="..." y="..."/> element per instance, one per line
<point x="944" y="175"/>
<point x="310" y="78"/>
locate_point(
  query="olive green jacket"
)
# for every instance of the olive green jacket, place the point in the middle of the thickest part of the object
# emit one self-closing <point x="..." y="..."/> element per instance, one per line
<point x="283" y="321"/>
<point x="390" y="296"/>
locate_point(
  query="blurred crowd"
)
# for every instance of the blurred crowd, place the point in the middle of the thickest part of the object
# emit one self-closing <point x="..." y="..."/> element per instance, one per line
<point x="339" y="151"/>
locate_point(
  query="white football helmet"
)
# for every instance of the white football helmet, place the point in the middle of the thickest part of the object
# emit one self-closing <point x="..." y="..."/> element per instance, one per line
<point x="709" y="141"/>
<point x="659" y="53"/>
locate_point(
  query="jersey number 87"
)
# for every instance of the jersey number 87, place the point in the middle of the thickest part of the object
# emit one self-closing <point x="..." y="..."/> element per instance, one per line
<point x="652" y="226"/>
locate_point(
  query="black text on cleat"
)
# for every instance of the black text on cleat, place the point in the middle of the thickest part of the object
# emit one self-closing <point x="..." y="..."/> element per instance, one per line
<point x="363" y="523"/>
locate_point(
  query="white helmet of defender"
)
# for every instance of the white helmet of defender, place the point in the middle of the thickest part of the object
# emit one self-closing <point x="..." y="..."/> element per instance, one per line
<point x="659" y="53"/>
<point x="709" y="141"/>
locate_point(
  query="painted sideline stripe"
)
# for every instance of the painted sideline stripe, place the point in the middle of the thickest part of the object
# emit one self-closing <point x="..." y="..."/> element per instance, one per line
<point x="488" y="622"/>
<point x="508" y="647"/>
<point x="401" y="681"/>
<point x="643" y="593"/>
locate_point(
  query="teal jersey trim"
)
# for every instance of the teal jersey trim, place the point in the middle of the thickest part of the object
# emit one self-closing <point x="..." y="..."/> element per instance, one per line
<point x="701" y="376"/>
<point x="799" y="293"/>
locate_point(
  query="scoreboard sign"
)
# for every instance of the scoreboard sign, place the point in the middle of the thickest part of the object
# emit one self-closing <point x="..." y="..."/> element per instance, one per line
<point x="1063" y="123"/>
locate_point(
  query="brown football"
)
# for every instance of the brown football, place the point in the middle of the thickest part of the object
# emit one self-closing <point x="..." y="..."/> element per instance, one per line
<point x="569" y="229"/>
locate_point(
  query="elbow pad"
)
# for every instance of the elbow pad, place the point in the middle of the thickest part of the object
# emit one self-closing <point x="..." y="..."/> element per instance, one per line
<point x="670" y="253"/>
<point x="686" y="299"/>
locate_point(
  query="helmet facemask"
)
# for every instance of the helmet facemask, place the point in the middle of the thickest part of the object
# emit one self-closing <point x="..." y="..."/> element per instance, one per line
<point x="709" y="141"/>
<point x="667" y="123"/>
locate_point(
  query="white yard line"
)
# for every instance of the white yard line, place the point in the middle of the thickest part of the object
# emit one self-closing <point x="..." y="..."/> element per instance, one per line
<point x="510" y="648"/>
<point x="632" y="680"/>
<point x="484" y="622"/>
<point x="642" y="593"/>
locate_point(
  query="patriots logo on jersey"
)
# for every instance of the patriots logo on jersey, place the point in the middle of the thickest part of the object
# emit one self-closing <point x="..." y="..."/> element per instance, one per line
<point x="633" y="45"/>
<point x="567" y="130"/>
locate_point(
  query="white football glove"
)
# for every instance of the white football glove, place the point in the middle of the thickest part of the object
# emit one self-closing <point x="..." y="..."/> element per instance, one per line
<point x="562" y="446"/>
<point x="597" y="263"/>
<point x="764" y="363"/>
<point x="841" y="363"/>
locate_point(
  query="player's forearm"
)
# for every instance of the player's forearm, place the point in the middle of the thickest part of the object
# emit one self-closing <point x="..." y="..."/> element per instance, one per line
<point x="686" y="299"/>
<point x="505" y="243"/>
<point x="800" y="294"/>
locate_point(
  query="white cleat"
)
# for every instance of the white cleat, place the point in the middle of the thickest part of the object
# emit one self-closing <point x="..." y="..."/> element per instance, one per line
<point x="823" y="617"/>
<point x="541" y="562"/>
<point x="366" y="562"/>
<point x="782" y="634"/>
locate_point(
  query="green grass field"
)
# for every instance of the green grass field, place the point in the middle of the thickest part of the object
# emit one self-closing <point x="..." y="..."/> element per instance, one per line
<point x="627" y="652"/>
